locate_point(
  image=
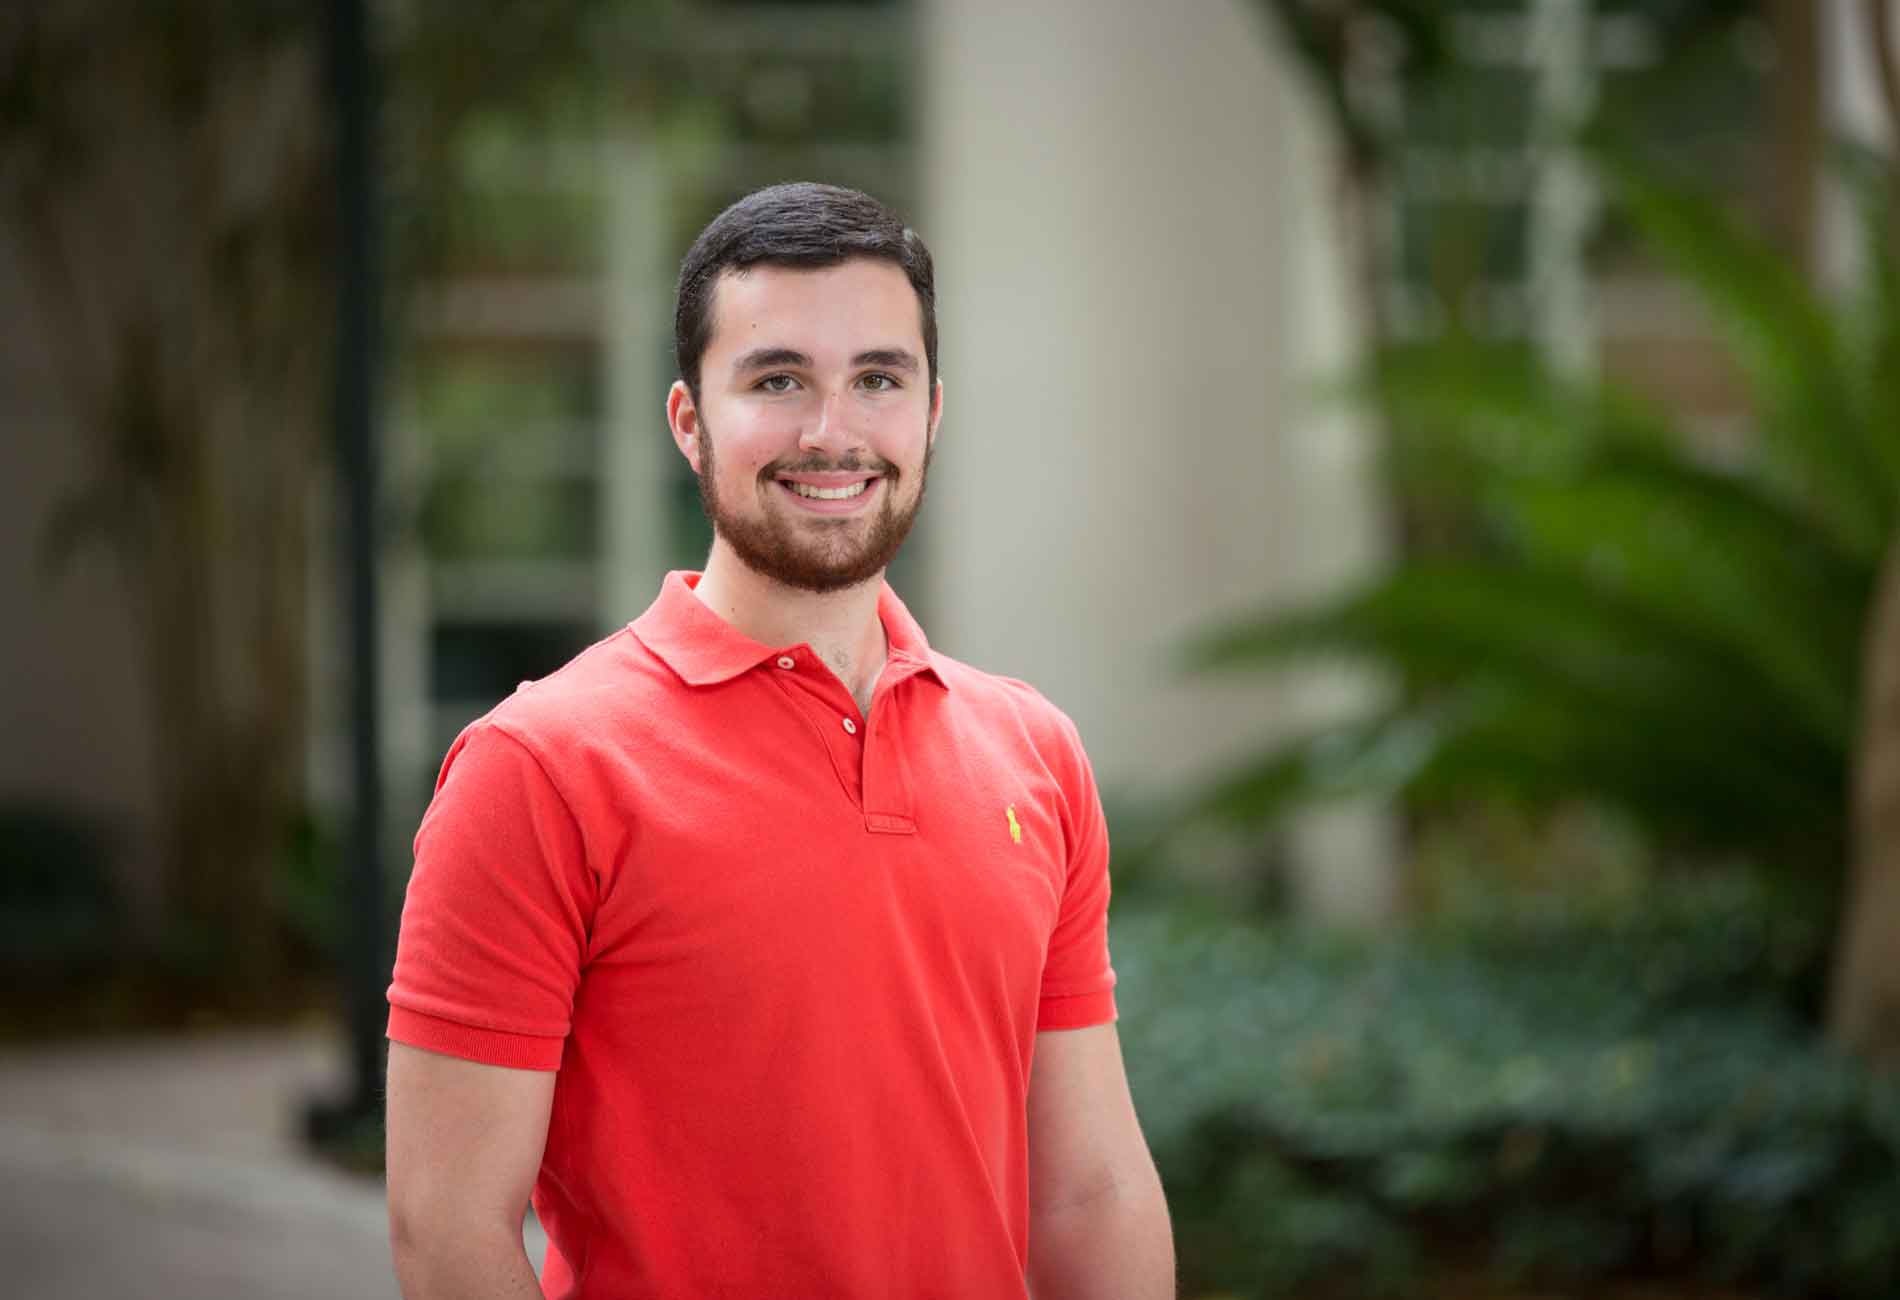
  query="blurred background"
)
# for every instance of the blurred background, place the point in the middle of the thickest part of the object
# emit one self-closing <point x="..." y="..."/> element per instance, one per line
<point x="1445" y="457"/>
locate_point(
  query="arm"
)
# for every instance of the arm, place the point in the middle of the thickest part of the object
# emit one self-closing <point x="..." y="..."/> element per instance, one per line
<point x="1098" y="1223"/>
<point x="465" y="1142"/>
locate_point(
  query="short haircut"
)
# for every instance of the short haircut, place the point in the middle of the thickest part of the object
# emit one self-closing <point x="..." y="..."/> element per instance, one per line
<point x="800" y="224"/>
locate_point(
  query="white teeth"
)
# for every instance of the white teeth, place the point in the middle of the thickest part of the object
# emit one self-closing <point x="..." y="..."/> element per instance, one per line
<point x="828" y="494"/>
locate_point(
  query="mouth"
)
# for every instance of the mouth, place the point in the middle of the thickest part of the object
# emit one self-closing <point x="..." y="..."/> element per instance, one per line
<point x="830" y="493"/>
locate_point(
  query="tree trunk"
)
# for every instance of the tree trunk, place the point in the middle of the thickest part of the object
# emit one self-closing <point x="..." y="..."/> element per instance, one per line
<point x="1864" y="1012"/>
<point x="167" y="170"/>
<point x="1797" y="137"/>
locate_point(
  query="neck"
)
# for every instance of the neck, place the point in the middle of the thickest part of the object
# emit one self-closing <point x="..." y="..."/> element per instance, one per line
<point x="841" y="627"/>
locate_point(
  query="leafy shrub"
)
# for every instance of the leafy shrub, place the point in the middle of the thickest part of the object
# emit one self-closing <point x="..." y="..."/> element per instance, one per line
<point x="1549" y="1098"/>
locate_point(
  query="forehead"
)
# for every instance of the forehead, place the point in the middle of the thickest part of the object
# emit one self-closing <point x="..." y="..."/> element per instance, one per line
<point x="864" y="301"/>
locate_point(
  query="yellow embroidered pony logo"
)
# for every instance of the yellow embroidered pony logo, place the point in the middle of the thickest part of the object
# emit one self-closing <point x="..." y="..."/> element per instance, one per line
<point x="1015" y="828"/>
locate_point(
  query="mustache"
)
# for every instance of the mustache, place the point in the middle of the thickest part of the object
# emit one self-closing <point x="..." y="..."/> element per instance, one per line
<point x="852" y="464"/>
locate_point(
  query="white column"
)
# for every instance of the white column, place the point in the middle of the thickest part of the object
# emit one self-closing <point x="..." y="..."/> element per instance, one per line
<point x="638" y="319"/>
<point x="1114" y="198"/>
<point x="1853" y="108"/>
<point x="1564" y="195"/>
<point x="1344" y="856"/>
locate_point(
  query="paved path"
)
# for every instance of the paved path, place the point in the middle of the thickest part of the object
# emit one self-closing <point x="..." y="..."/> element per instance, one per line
<point x="168" y="1169"/>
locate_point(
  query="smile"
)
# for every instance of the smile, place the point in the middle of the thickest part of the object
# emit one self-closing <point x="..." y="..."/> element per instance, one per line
<point x="829" y="494"/>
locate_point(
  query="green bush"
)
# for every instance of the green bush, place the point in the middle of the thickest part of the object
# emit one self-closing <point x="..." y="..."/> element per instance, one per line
<point x="1549" y="1098"/>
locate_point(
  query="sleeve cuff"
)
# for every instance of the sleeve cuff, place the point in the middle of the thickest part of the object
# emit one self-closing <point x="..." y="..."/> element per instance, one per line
<point x="486" y="1046"/>
<point x="1078" y="1011"/>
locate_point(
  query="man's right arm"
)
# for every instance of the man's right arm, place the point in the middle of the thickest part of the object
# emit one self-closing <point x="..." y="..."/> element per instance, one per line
<point x="465" y="1144"/>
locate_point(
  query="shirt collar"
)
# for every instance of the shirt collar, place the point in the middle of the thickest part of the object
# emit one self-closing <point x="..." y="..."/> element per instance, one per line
<point x="705" y="650"/>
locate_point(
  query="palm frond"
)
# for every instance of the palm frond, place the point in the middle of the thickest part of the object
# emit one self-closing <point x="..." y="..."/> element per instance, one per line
<point x="1872" y="180"/>
<point x="1712" y="556"/>
<point x="1458" y="404"/>
<point x="1539" y="750"/>
<point x="1640" y="685"/>
<point x="1625" y="623"/>
<point x="1784" y="338"/>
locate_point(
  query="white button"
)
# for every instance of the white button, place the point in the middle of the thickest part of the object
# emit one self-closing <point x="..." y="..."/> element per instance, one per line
<point x="851" y="726"/>
<point x="786" y="661"/>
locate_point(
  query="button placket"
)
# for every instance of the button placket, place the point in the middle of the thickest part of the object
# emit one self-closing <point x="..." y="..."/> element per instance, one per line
<point x="810" y="698"/>
<point x="885" y="773"/>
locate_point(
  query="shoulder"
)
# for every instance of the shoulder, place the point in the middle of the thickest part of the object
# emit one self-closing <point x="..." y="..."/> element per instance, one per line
<point x="1021" y="726"/>
<point x="587" y="702"/>
<point x="1009" y="701"/>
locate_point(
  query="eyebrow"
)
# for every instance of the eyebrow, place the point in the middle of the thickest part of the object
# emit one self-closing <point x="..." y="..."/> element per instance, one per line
<point x="760" y="358"/>
<point x="889" y="358"/>
<point x="765" y="358"/>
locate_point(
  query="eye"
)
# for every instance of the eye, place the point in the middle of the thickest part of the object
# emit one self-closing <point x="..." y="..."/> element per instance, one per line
<point x="878" y="382"/>
<point x="776" y="384"/>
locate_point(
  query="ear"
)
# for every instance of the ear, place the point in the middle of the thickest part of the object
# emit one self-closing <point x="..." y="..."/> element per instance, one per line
<point x="936" y="413"/>
<point x="682" y="417"/>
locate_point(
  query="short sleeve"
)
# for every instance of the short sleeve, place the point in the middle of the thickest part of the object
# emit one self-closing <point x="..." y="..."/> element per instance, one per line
<point x="499" y="905"/>
<point x="1078" y="981"/>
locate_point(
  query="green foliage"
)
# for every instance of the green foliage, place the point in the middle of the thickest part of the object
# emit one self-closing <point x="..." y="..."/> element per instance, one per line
<point x="511" y="451"/>
<point x="1823" y="446"/>
<point x="1545" y="1096"/>
<point x="1414" y="42"/>
<point x="473" y="105"/>
<point x="1622" y="620"/>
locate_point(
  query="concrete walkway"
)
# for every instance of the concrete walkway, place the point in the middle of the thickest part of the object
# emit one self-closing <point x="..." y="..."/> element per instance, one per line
<point x="168" y="1169"/>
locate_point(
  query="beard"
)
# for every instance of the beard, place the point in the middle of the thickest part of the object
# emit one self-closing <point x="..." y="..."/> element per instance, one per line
<point x="822" y="555"/>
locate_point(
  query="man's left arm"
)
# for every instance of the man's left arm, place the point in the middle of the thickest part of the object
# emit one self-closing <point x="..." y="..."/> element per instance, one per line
<point x="1098" y="1223"/>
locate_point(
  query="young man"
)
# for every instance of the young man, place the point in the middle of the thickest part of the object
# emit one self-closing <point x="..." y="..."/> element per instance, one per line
<point x="762" y="944"/>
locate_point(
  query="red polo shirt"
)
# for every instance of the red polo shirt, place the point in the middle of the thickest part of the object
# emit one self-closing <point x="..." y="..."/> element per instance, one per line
<point x="789" y="960"/>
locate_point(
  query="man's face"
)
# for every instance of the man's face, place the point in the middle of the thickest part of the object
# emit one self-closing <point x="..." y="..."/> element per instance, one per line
<point x="813" y="389"/>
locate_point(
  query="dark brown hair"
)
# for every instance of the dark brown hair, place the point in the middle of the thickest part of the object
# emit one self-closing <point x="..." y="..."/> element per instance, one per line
<point x="800" y="224"/>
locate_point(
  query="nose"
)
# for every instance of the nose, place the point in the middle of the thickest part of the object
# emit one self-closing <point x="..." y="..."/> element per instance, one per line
<point x="831" y="431"/>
